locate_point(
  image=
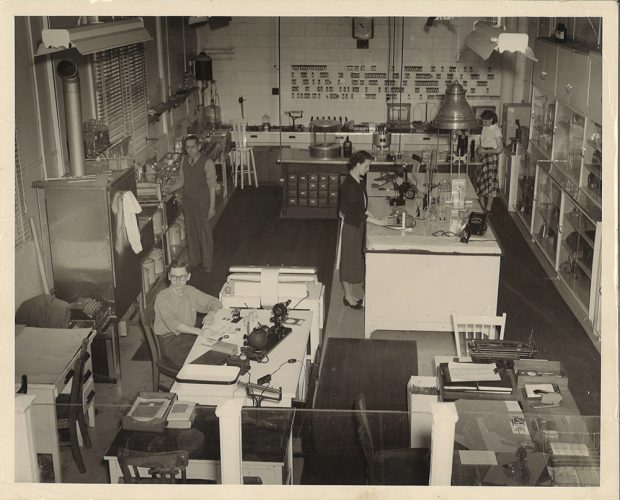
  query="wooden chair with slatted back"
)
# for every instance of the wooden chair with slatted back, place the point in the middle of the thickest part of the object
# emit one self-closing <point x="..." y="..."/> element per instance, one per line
<point x="159" y="363"/>
<point x="70" y="410"/>
<point x="162" y="467"/>
<point x="404" y="466"/>
<point x="476" y="327"/>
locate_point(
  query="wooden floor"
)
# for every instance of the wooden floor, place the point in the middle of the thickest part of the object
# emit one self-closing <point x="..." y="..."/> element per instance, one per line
<point x="532" y="303"/>
<point x="251" y="232"/>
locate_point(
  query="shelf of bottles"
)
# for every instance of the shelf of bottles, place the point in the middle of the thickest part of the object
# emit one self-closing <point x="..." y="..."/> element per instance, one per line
<point x="543" y="120"/>
<point x="577" y="249"/>
<point x="546" y="215"/>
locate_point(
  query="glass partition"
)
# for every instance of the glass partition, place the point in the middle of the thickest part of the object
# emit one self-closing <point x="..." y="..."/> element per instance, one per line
<point x="516" y="449"/>
<point x="296" y="446"/>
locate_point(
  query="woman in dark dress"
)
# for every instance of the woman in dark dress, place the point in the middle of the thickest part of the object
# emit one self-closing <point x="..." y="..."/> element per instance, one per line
<point x="354" y="211"/>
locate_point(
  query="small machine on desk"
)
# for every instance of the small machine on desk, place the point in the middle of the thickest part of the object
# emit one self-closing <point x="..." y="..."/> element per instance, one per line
<point x="264" y="287"/>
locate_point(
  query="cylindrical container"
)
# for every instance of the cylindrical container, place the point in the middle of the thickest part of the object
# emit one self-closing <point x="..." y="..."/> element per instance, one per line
<point x="175" y="234"/>
<point x="158" y="221"/>
<point x="157" y="254"/>
<point x="68" y="71"/>
<point x="145" y="278"/>
<point x="149" y="264"/>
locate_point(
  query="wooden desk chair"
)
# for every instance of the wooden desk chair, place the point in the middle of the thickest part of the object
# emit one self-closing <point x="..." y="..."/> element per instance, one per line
<point x="242" y="155"/>
<point x="159" y="363"/>
<point x="163" y="467"/>
<point x="476" y="327"/>
<point x="396" y="466"/>
<point x="70" y="409"/>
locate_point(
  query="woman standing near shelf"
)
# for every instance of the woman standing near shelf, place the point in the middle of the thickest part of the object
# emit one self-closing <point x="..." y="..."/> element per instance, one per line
<point x="491" y="145"/>
<point x="198" y="179"/>
<point x="354" y="214"/>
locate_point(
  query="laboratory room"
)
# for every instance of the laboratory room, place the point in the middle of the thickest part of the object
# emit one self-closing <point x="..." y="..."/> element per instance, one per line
<point x="311" y="250"/>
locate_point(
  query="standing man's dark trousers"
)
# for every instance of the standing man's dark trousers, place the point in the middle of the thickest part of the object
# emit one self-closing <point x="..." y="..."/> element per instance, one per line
<point x="198" y="231"/>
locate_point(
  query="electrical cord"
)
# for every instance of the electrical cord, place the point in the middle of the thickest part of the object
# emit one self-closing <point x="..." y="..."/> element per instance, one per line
<point x="260" y="397"/>
<point x="302" y="299"/>
<point x="441" y="233"/>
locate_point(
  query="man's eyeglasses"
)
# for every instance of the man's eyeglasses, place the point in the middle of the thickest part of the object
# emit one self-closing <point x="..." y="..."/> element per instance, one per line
<point x="181" y="277"/>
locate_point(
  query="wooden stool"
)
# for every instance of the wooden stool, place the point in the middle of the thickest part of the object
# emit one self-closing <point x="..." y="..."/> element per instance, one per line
<point x="242" y="156"/>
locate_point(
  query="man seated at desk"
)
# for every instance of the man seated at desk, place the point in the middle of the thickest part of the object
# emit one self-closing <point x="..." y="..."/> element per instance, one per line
<point x="175" y="314"/>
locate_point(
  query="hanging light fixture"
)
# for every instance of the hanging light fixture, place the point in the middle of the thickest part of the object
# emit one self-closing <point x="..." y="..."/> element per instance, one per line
<point x="455" y="113"/>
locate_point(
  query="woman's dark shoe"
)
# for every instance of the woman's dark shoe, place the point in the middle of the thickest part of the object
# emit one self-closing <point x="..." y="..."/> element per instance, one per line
<point x="358" y="305"/>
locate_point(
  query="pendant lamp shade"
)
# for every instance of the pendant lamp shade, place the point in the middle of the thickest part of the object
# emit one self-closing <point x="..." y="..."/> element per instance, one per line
<point x="455" y="112"/>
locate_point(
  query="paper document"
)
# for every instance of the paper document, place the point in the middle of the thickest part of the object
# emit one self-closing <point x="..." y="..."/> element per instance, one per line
<point x="473" y="457"/>
<point x="472" y="372"/>
<point x="513" y="406"/>
<point x="537" y="390"/>
<point x="148" y="409"/>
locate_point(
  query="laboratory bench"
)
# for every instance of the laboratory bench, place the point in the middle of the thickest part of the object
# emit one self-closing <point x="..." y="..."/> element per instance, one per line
<point x="416" y="278"/>
<point x="311" y="185"/>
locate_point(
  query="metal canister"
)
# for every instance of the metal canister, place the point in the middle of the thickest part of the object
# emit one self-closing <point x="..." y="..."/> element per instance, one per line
<point x="149" y="265"/>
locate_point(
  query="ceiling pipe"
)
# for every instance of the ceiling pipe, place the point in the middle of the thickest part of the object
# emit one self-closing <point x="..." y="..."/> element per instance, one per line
<point x="68" y="72"/>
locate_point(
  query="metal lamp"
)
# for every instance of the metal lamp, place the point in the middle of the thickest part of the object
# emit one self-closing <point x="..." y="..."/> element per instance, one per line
<point x="455" y="113"/>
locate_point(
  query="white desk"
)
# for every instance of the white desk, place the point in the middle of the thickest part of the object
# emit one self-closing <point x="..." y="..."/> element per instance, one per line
<point x="46" y="356"/>
<point x="291" y="377"/>
<point x="314" y="302"/>
<point x="415" y="281"/>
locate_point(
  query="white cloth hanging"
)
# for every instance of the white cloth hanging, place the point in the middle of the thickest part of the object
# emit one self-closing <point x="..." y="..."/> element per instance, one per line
<point x="131" y="207"/>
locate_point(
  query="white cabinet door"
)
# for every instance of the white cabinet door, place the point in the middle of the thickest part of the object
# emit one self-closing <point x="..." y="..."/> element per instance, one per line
<point x="544" y="72"/>
<point x="595" y="88"/>
<point x="572" y="79"/>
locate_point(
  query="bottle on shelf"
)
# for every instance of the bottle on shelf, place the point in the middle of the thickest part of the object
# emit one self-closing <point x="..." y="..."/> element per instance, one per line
<point x="347" y="148"/>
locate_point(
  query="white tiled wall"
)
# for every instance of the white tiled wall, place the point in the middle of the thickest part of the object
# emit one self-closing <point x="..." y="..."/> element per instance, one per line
<point x="251" y="70"/>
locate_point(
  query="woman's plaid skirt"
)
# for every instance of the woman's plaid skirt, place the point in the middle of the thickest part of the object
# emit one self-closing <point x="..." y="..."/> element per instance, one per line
<point x="486" y="181"/>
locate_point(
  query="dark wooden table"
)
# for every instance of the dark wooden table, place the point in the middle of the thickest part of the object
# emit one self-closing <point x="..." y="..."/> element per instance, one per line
<point x="265" y="444"/>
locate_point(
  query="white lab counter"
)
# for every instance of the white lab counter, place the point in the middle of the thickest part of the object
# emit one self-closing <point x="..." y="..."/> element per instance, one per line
<point x="416" y="279"/>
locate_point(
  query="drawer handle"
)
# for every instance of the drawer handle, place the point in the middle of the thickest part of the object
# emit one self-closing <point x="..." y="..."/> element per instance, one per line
<point x="68" y="376"/>
<point x="90" y="396"/>
<point x="569" y="89"/>
<point x="292" y="137"/>
<point x="253" y="136"/>
<point x="543" y="75"/>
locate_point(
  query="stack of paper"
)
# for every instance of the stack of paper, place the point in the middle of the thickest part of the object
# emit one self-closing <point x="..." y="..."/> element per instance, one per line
<point x="144" y="410"/>
<point x="474" y="377"/>
<point x="181" y="415"/>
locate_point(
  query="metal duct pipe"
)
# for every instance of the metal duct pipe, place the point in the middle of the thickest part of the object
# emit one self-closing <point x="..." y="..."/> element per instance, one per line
<point x="68" y="71"/>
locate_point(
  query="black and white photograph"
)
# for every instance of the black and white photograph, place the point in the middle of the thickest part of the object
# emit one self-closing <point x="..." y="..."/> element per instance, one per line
<point x="310" y="249"/>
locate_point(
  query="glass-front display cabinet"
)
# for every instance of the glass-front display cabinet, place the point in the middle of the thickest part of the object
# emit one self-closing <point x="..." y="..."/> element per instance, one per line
<point x="568" y="142"/>
<point x="526" y="177"/>
<point x="592" y="174"/>
<point x="543" y="119"/>
<point x="546" y="214"/>
<point x="577" y="251"/>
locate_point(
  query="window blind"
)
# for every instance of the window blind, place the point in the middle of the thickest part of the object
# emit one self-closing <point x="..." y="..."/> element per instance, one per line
<point x="120" y="83"/>
<point x="22" y="226"/>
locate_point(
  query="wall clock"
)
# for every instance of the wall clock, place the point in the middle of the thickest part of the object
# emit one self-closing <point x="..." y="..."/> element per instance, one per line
<point x="363" y="28"/>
